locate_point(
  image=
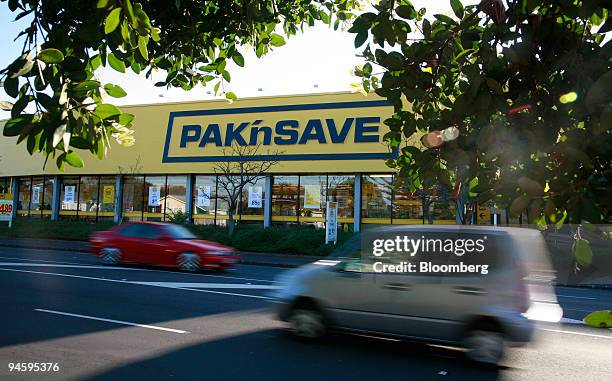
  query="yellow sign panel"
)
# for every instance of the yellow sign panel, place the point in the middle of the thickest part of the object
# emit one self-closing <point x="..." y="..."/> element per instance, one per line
<point x="484" y="215"/>
<point x="341" y="132"/>
<point x="108" y="194"/>
<point x="6" y="196"/>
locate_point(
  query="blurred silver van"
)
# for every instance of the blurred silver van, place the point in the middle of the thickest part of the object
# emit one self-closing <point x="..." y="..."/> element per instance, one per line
<point x="468" y="286"/>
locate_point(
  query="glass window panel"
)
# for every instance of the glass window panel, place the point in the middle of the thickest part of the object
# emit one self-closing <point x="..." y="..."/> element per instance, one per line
<point x="285" y="196"/>
<point x="443" y="204"/>
<point x="132" y="197"/>
<point x="222" y="204"/>
<point x="341" y="189"/>
<point x="5" y="185"/>
<point x="407" y="205"/>
<point x="255" y="213"/>
<point x="204" y="200"/>
<point x="177" y="193"/>
<point x="88" y="197"/>
<point x="25" y="189"/>
<point x="68" y="195"/>
<point x="108" y="193"/>
<point x="376" y="198"/>
<point x="313" y="194"/>
<point x="47" y="205"/>
<point x="154" y="197"/>
<point x="36" y="196"/>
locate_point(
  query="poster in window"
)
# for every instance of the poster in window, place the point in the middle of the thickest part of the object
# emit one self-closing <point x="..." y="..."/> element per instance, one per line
<point x="312" y="196"/>
<point x="36" y="195"/>
<point x="154" y="195"/>
<point x="255" y="197"/>
<point x="203" y="196"/>
<point x="108" y="194"/>
<point x="69" y="193"/>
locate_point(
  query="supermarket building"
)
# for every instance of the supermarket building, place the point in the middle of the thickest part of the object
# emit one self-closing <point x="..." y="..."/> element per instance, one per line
<point x="328" y="147"/>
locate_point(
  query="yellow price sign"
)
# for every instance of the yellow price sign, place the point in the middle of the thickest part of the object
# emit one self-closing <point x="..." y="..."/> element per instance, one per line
<point x="484" y="215"/>
<point x="108" y="194"/>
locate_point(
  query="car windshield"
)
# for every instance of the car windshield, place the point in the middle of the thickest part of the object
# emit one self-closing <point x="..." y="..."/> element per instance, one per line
<point x="179" y="232"/>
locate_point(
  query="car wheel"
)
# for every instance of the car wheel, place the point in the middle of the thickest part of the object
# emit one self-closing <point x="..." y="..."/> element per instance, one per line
<point x="110" y="255"/>
<point x="189" y="262"/>
<point x="307" y="323"/>
<point x="484" y="346"/>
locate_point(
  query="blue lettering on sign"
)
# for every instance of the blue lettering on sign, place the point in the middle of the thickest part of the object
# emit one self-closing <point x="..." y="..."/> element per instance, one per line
<point x="243" y="131"/>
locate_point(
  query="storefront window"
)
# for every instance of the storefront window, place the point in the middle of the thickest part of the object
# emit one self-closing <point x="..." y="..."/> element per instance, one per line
<point x="5" y="185"/>
<point x="443" y="206"/>
<point x="175" y="199"/>
<point x="341" y="189"/>
<point x="285" y="198"/>
<point x="204" y="199"/>
<point x="224" y="182"/>
<point x="88" y="197"/>
<point x="154" y="196"/>
<point x="47" y="204"/>
<point x="313" y="195"/>
<point x="133" y="197"/>
<point x="107" y="198"/>
<point x="376" y="199"/>
<point x="69" y="194"/>
<point x="23" y="201"/>
<point x="252" y="208"/>
<point x="36" y="200"/>
<point x="407" y="205"/>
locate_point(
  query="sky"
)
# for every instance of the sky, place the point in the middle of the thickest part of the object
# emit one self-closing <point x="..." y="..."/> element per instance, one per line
<point x="318" y="60"/>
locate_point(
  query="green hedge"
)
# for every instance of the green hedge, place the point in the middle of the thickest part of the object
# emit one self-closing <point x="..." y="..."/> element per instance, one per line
<point x="290" y="240"/>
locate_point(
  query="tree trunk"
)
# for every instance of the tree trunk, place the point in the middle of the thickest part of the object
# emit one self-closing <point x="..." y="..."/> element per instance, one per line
<point x="231" y="224"/>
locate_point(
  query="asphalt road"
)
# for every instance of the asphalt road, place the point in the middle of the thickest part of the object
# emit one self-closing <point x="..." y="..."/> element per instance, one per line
<point x="117" y="323"/>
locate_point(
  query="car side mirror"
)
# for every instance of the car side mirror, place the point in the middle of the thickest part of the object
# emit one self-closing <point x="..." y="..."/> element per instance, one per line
<point x="164" y="237"/>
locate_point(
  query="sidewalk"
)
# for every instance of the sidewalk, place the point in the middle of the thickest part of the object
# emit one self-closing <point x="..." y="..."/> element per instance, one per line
<point x="249" y="258"/>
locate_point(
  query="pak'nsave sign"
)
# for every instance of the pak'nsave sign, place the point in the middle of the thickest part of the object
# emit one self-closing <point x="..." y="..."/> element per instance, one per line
<point x="320" y="131"/>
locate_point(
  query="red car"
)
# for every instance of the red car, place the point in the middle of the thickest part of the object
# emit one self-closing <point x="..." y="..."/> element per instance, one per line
<point x="160" y="244"/>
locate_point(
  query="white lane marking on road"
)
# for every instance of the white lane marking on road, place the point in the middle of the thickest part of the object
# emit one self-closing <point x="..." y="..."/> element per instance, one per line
<point x="211" y="285"/>
<point x="576" y="333"/>
<point x="575" y="297"/>
<point x="152" y="270"/>
<point x="20" y="264"/>
<point x="111" y="321"/>
<point x="42" y="260"/>
<point x="128" y="282"/>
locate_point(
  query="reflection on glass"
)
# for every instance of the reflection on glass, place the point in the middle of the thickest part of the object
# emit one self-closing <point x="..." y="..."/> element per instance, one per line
<point x="204" y="200"/>
<point x="376" y="197"/>
<point x="25" y="189"/>
<point x="285" y="196"/>
<point x="88" y="197"/>
<point x="36" y="199"/>
<point x="69" y="195"/>
<point x="47" y="204"/>
<point x="133" y="197"/>
<point x="177" y="193"/>
<point x="107" y="198"/>
<point x="313" y="194"/>
<point x="154" y="197"/>
<point x="342" y="190"/>
<point x="253" y="211"/>
<point x="407" y="205"/>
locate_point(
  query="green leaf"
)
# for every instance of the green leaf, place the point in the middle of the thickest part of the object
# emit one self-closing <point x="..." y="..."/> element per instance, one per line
<point x="277" y="40"/>
<point x="112" y="21"/>
<point x="142" y="46"/>
<point x="11" y="87"/>
<point x="79" y="142"/>
<point x="126" y="119"/>
<point x="51" y="56"/>
<point x="360" y="38"/>
<point x="226" y="75"/>
<point x="14" y="125"/>
<point x="114" y="90"/>
<point x="106" y="110"/>
<point x="74" y="160"/>
<point x="238" y="59"/>
<point x="457" y="8"/>
<point x="102" y="4"/>
<point x="406" y="12"/>
<point x="116" y="63"/>
<point x="86" y="86"/>
<point x="445" y="19"/>
<point x="231" y="96"/>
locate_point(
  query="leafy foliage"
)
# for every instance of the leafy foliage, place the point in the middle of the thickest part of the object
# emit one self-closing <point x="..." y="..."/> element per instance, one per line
<point x="192" y="41"/>
<point x="527" y="82"/>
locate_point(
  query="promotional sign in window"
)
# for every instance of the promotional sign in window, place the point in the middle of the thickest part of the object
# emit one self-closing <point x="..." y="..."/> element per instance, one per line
<point x="203" y="198"/>
<point x="255" y="197"/>
<point x="36" y="195"/>
<point x="154" y="195"/>
<point x="312" y="196"/>
<point x="331" y="222"/>
<point x="70" y="193"/>
<point x="6" y="207"/>
<point x="108" y="194"/>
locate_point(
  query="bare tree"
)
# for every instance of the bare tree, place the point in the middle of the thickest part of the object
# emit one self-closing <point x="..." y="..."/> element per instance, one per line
<point x="242" y="165"/>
